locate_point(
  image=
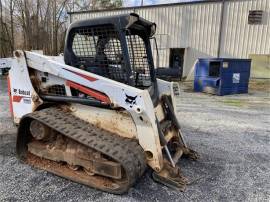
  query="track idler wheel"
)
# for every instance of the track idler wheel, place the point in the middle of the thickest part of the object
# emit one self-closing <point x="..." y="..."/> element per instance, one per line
<point x="40" y="131"/>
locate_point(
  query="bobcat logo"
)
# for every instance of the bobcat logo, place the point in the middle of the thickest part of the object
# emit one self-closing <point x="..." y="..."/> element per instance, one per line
<point x="130" y="99"/>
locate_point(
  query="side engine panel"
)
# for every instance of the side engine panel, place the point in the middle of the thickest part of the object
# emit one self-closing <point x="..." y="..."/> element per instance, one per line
<point x="23" y="98"/>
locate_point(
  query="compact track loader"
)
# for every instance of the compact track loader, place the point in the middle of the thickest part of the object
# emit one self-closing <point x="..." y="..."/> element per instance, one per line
<point x="100" y="116"/>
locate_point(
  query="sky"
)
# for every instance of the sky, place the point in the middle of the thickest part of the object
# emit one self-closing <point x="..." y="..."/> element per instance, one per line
<point x="151" y="2"/>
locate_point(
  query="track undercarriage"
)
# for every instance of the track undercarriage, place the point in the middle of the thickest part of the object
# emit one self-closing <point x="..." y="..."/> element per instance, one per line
<point x="69" y="147"/>
<point x="54" y="140"/>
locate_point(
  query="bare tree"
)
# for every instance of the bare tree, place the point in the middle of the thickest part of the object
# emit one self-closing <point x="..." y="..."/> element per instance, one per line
<point x="37" y="24"/>
<point x="11" y="12"/>
<point x="5" y="38"/>
<point x="83" y="5"/>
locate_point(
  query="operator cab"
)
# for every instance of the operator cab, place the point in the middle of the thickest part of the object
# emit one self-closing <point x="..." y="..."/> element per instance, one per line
<point x="116" y="47"/>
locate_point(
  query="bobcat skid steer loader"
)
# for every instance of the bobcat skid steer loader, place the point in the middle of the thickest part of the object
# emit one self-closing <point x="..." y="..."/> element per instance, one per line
<point x="99" y="117"/>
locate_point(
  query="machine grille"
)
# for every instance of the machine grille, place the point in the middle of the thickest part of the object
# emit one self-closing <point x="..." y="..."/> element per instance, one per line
<point x="99" y="51"/>
<point x="55" y="90"/>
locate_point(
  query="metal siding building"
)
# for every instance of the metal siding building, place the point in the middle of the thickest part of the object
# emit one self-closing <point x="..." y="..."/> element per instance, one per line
<point x="202" y="29"/>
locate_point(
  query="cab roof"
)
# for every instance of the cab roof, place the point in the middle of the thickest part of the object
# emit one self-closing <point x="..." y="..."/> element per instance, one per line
<point x="130" y="21"/>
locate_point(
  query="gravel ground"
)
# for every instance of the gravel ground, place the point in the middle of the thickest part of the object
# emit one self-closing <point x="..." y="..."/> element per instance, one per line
<point x="231" y="133"/>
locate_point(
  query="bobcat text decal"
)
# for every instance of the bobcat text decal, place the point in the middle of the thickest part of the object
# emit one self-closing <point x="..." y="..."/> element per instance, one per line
<point x="20" y="94"/>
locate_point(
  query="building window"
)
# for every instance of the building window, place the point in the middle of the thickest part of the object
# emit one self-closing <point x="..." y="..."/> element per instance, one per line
<point x="255" y="17"/>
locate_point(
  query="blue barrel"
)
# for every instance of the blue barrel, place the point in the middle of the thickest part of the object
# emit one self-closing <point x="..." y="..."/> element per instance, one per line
<point x="222" y="76"/>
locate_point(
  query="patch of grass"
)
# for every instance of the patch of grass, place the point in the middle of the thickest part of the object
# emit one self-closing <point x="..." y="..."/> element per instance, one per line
<point x="234" y="103"/>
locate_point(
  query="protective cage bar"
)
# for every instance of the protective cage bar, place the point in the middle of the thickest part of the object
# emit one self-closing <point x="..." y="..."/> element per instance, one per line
<point x="139" y="60"/>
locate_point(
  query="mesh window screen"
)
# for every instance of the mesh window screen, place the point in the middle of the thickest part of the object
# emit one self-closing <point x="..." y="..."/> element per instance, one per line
<point x="84" y="45"/>
<point x="99" y="51"/>
<point x="138" y="60"/>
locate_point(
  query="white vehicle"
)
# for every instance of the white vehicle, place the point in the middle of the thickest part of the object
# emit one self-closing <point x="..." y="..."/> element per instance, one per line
<point x="100" y="116"/>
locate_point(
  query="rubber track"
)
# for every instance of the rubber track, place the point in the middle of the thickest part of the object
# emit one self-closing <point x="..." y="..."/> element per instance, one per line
<point x="125" y="151"/>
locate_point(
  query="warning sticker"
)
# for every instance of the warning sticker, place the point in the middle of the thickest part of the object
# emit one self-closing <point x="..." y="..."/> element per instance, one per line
<point x="225" y="64"/>
<point x="236" y="77"/>
<point x="26" y="100"/>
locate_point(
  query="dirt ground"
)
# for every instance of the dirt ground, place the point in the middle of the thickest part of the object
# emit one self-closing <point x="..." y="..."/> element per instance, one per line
<point x="231" y="133"/>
